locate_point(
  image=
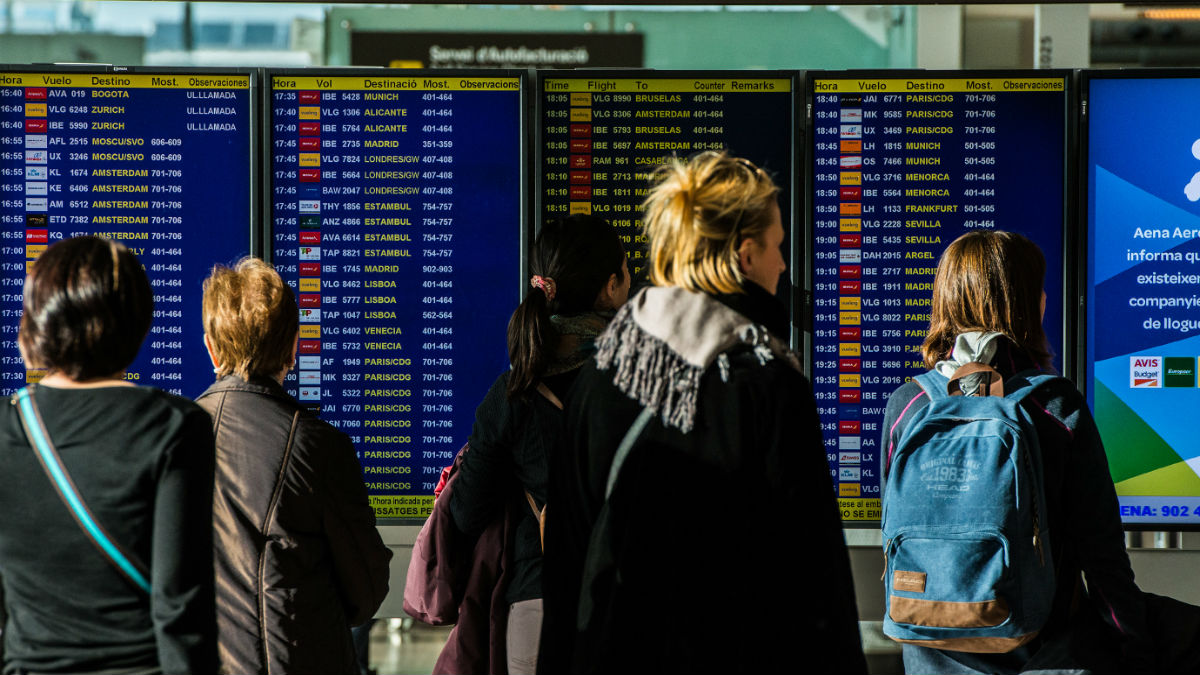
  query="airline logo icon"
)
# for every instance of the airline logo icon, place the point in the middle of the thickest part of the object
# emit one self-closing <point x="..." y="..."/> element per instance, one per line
<point x="849" y="490"/>
<point x="310" y="175"/>
<point x="850" y="178"/>
<point x="310" y="252"/>
<point x="35" y="156"/>
<point x="850" y="303"/>
<point x="851" y="162"/>
<point x="850" y="208"/>
<point x="310" y="315"/>
<point x="581" y="177"/>
<point x="36" y="220"/>
<point x="35" y="93"/>
<point x="310" y="159"/>
<point x="849" y="365"/>
<point x="850" y="147"/>
<point x="310" y="221"/>
<point x="310" y="394"/>
<point x="310" y="377"/>
<point x="310" y="269"/>
<point x="849" y="333"/>
<point x="310" y="299"/>
<point x="849" y="271"/>
<point x="310" y="206"/>
<point x="581" y="161"/>
<point x="851" y="131"/>
<point x="310" y="237"/>
<point x="849" y="458"/>
<point x="1179" y="371"/>
<point x="849" y="442"/>
<point x="309" y="96"/>
<point x="850" y="287"/>
<point x="850" y="256"/>
<point x="37" y="236"/>
<point x="1145" y="372"/>
<point x="309" y="347"/>
<point x="310" y="143"/>
<point x="849" y="426"/>
<point x="34" y="250"/>
<point x="850" y="349"/>
<point x="582" y="98"/>
<point x="35" y="109"/>
<point x="35" y="173"/>
<point x="850" y="193"/>
<point x="851" y="116"/>
<point x="39" y="188"/>
<point x="310" y="112"/>
<point x="310" y="128"/>
<point x="36" y="126"/>
<point x="39" y="204"/>
<point x="309" y="362"/>
<point x="850" y="473"/>
<point x="581" y="145"/>
<point x="310" y="285"/>
<point x="36" y="140"/>
<point x="311" y="331"/>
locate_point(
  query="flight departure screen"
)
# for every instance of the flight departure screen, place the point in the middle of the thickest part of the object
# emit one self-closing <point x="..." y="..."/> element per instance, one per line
<point x="397" y="219"/>
<point x="1143" y="271"/>
<point x="902" y="165"/>
<point x="158" y="161"/>
<point x="603" y="134"/>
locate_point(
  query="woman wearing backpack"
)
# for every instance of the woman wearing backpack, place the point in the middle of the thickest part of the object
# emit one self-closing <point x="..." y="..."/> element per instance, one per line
<point x="988" y="306"/>
<point x="691" y="564"/>
<point x="579" y="277"/>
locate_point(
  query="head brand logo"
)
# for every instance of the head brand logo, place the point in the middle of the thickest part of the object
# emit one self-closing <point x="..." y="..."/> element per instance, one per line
<point x="1145" y="372"/>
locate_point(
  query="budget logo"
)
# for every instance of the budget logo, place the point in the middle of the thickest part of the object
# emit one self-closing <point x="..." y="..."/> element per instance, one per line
<point x="1179" y="371"/>
<point x="1145" y="372"/>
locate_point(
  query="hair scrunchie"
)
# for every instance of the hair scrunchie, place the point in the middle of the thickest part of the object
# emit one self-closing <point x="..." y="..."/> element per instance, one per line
<point x="546" y="284"/>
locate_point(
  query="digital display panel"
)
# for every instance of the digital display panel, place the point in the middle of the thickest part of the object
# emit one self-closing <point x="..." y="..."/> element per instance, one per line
<point x="397" y="219"/>
<point x="902" y="164"/>
<point x="604" y="133"/>
<point x="161" y="161"/>
<point x="1143" y="275"/>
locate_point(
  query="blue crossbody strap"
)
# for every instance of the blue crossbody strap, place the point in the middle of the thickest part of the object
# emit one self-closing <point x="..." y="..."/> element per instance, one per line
<point x="35" y="431"/>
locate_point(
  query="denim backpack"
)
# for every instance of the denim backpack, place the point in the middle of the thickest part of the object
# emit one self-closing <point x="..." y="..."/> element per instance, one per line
<point x="967" y="550"/>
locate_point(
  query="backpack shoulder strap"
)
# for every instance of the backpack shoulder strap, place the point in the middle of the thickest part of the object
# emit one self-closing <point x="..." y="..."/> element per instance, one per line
<point x="39" y="439"/>
<point x="1024" y="383"/>
<point x="934" y="384"/>
<point x="631" y="437"/>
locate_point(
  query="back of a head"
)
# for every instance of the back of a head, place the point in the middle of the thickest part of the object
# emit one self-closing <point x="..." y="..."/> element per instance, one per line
<point x="251" y="319"/>
<point x="87" y="309"/>
<point x="988" y="281"/>
<point x="697" y="215"/>
<point x="577" y="255"/>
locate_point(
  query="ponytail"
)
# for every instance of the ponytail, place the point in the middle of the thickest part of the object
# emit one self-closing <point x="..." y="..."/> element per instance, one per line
<point x="571" y="261"/>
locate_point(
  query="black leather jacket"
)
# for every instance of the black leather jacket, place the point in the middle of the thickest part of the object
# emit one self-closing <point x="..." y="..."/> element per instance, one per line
<point x="296" y="554"/>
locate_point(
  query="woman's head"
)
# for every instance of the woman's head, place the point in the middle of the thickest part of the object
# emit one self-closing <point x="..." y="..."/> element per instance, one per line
<point x="989" y="281"/>
<point x="87" y="308"/>
<point x="577" y="265"/>
<point x="250" y="320"/>
<point x="713" y="222"/>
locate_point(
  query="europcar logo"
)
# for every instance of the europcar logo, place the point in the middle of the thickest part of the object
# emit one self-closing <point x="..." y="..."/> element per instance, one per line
<point x="1145" y="372"/>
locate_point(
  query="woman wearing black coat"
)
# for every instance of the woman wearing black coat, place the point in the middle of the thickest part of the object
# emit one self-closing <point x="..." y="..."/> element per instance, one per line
<point x="702" y="558"/>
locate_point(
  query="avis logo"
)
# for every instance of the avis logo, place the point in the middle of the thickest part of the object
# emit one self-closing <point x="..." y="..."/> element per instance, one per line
<point x="1145" y="372"/>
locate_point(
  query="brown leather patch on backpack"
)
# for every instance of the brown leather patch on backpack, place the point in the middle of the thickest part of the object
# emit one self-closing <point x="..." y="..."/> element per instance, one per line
<point x="913" y="582"/>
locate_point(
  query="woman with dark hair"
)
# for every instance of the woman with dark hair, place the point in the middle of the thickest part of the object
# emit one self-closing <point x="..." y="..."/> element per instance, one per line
<point x="579" y="278"/>
<point x="988" y="306"/>
<point x="721" y="472"/>
<point x="140" y="461"/>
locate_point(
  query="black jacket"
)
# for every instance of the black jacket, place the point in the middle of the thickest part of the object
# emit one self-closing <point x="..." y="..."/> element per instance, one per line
<point x="509" y="447"/>
<point x="730" y="554"/>
<point x="298" y="559"/>
<point x="1086" y="535"/>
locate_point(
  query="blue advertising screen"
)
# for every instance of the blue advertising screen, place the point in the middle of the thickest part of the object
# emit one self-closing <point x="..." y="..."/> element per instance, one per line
<point x="603" y="133"/>
<point x="160" y="161"/>
<point x="902" y="164"/>
<point x="396" y="214"/>
<point x="1143" y="289"/>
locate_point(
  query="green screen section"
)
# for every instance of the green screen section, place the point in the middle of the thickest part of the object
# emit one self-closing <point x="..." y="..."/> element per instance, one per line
<point x="1177" y="480"/>
<point x="1133" y="447"/>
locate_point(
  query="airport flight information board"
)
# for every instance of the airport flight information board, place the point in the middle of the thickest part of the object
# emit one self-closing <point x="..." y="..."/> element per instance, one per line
<point x="1143" y="272"/>
<point x="397" y="219"/>
<point x="159" y="161"/>
<point x="604" y="133"/>
<point x="901" y="166"/>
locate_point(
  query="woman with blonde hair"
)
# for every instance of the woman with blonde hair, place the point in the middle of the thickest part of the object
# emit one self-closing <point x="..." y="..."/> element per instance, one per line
<point x="693" y="461"/>
<point x="298" y="559"/>
<point x="988" y="307"/>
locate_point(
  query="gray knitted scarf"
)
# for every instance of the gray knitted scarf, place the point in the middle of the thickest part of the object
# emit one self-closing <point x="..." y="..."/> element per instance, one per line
<point x="662" y="342"/>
